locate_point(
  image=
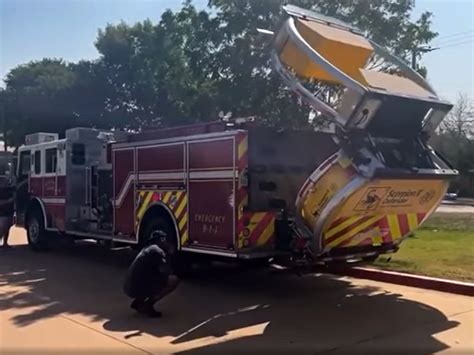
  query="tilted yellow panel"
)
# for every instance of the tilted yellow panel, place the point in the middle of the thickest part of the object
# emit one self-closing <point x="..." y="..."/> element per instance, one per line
<point x="394" y="84"/>
<point x="346" y="50"/>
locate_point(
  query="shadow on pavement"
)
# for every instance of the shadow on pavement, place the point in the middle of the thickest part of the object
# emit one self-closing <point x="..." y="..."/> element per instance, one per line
<point x="291" y="313"/>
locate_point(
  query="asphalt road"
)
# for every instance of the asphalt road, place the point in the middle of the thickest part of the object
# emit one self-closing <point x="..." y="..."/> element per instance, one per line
<point x="70" y="299"/>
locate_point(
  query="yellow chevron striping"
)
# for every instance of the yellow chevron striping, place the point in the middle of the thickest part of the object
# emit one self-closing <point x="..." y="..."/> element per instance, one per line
<point x="182" y="221"/>
<point x="342" y="226"/>
<point x="267" y="233"/>
<point x="144" y="205"/>
<point x="354" y="231"/>
<point x="184" y="237"/>
<point x="166" y="197"/>
<point x="141" y="195"/>
<point x="180" y="208"/>
<point x="412" y="221"/>
<point x="394" y="226"/>
<point x="374" y="233"/>
<point x="255" y="219"/>
<point x="242" y="148"/>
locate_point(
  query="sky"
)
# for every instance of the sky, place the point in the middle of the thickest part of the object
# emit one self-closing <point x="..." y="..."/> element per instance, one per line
<point x="33" y="29"/>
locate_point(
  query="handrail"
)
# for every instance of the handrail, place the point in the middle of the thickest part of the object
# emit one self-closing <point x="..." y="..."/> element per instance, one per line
<point x="304" y="93"/>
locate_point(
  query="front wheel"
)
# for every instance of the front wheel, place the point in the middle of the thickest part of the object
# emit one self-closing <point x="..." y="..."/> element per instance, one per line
<point x="35" y="231"/>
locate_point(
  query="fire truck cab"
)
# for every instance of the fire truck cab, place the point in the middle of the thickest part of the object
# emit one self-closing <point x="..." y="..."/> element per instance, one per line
<point x="65" y="185"/>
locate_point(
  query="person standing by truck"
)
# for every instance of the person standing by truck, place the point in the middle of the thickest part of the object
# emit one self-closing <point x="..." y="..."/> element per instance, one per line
<point x="7" y="196"/>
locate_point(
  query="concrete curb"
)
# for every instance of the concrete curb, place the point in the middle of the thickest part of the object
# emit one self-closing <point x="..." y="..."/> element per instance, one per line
<point x="431" y="283"/>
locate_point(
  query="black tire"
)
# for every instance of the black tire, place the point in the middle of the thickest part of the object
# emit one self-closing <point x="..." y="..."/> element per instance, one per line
<point x="180" y="263"/>
<point x="370" y="259"/>
<point x="257" y="263"/>
<point x="35" y="232"/>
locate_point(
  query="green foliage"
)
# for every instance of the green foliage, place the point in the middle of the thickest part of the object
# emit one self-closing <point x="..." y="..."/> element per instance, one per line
<point x="455" y="141"/>
<point x="187" y="67"/>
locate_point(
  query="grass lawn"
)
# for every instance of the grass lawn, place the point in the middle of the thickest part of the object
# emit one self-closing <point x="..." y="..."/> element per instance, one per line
<point x="443" y="247"/>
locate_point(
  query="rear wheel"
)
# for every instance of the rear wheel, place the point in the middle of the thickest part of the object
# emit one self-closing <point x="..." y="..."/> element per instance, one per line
<point x="35" y="232"/>
<point x="180" y="263"/>
<point x="370" y="259"/>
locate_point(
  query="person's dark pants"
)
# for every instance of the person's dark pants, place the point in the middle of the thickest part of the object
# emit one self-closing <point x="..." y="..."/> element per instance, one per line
<point x="145" y="301"/>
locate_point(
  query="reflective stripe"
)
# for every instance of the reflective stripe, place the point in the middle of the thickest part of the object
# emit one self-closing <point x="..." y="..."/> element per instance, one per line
<point x="354" y="230"/>
<point x="412" y="221"/>
<point x="215" y="174"/>
<point x="242" y="148"/>
<point x="144" y="205"/>
<point x="342" y="226"/>
<point x="394" y="227"/>
<point x="57" y="201"/>
<point x="161" y="176"/>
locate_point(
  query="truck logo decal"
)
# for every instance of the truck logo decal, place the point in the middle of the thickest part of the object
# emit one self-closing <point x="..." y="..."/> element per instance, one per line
<point x="427" y="196"/>
<point x="371" y="198"/>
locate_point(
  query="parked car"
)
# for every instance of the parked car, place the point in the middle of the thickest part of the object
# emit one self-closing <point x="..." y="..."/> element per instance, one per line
<point x="450" y="196"/>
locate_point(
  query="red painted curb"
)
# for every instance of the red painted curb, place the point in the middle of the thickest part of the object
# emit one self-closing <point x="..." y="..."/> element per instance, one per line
<point x="457" y="287"/>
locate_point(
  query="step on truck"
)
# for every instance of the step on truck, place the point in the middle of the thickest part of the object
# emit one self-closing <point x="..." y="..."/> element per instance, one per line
<point x="240" y="191"/>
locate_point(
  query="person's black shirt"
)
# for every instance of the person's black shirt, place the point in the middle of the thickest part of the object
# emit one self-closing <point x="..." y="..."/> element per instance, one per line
<point x="147" y="273"/>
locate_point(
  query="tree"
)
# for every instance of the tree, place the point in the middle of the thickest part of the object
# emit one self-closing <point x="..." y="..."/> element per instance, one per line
<point x="160" y="74"/>
<point x="455" y="140"/>
<point x="459" y="123"/>
<point x="188" y="67"/>
<point x="51" y="95"/>
<point x="35" y="98"/>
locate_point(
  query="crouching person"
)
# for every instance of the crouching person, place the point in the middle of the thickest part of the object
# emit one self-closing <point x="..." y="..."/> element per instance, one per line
<point x="149" y="277"/>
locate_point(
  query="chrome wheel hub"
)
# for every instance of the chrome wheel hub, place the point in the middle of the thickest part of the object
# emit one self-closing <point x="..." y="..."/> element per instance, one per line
<point x="33" y="231"/>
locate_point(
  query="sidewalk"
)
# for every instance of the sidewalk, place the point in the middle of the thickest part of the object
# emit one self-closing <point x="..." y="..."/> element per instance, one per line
<point x="71" y="301"/>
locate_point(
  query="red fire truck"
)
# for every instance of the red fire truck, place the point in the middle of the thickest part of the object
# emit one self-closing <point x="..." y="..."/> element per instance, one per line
<point x="210" y="186"/>
<point x="243" y="191"/>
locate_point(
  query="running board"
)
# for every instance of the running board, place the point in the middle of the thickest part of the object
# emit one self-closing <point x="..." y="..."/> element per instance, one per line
<point x="230" y="254"/>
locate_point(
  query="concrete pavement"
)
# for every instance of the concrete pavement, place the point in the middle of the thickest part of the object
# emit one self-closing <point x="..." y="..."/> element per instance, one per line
<point x="71" y="299"/>
<point x="453" y="208"/>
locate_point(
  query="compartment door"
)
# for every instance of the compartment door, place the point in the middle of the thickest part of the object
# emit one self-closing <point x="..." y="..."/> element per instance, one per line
<point x="211" y="193"/>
